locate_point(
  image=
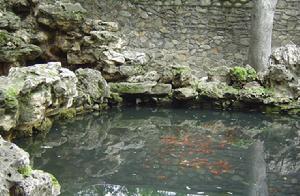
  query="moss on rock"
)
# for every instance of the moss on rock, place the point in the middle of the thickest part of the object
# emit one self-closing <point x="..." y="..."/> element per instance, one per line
<point x="26" y="171"/>
<point x="241" y="75"/>
<point x="68" y="113"/>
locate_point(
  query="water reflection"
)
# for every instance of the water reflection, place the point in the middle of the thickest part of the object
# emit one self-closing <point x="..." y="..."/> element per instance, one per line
<point x="172" y="152"/>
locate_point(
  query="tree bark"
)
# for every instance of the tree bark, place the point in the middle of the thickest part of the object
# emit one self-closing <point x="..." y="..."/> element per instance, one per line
<point x="261" y="34"/>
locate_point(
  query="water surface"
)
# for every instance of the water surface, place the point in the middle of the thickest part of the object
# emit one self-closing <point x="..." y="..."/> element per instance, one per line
<point x="146" y="151"/>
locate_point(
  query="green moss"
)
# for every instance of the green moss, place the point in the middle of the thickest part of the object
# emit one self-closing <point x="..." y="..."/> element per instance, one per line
<point x="270" y="109"/>
<point x="44" y="126"/>
<point x="258" y="91"/>
<point x="216" y="90"/>
<point x="3" y="38"/>
<point x="26" y="171"/>
<point x="68" y="113"/>
<point x="243" y="74"/>
<point x="54" y="181"/>
<point x="11" y="100"/>
<point x="115" y="97"/>
<point x="179" y="70"/>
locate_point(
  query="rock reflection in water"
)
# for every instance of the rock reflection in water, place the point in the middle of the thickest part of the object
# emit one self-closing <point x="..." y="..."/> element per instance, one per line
<point x="171" y="152"/>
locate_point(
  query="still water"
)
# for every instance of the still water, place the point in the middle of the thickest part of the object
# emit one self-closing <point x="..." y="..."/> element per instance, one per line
<point x="146" y="151"/>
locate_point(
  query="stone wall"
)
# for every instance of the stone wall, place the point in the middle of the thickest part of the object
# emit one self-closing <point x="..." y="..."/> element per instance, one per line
<point x="198" y="33"/>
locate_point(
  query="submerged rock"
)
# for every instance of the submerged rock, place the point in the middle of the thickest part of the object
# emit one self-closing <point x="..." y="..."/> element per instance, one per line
<point x="17" y="177"/>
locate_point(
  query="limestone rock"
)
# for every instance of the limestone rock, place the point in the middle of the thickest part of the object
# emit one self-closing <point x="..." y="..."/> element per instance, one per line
<point x="132" y="88"/>
<point x="218" y="74"/>
<point x="284" y="72"/>
<point x="91" y="86"/>
<point x="185" y="93"/>
<point x="152" y="76"/>
<point x="130" y="70"/>
<point x="287" y="55"/>
<point x="138" y="58"/>
<point x="113" y="56"/>
<point x="9" y="21"/>
<point x="182" y="76"/>
<point x="60" y="15"/>
<point x="161" y="89"/>
<point x="216" y="90"/>
<point x="28" y="93"/>
<point x="13" y="49"/>
<point x="17" y="177"/>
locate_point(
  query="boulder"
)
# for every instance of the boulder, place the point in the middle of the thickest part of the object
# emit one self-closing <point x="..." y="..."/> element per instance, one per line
<point x="9" y="21"/>
<point x="17" y="177"/>
<point x="29" y="93"/>
<point x="283" y="75"/>
<point x="16" y="51"/>
<point x="132" y="88"/>
<point x="60" y="15"/>
<point x="182" y="76"/>
<point x="92" y="87"/>
<point x="138" y="58"/>
<point x="161" y="89"/>
<point x="185" y="93"/>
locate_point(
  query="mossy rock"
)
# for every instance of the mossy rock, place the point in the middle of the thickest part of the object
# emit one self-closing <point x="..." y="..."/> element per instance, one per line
<point x="116" y="98"/>
<point x="242" y="75"/>
<point x="26" y="171"/>
<point x="68" y="113"/>
<point x="54" y="181"/>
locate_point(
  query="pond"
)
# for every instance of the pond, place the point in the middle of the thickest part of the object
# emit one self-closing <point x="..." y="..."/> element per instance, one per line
<point x="155" y="151"/>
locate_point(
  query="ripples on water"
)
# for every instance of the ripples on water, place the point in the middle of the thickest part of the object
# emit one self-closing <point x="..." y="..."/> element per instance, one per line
<point x="178" y="152"/>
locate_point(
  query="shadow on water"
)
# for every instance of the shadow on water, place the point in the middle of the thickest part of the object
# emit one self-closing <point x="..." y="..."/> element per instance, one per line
<point x="146" y="151"/>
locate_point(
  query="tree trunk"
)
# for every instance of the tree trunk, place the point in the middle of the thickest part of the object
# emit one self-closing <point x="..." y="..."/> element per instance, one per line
<point x="261" y="33"/>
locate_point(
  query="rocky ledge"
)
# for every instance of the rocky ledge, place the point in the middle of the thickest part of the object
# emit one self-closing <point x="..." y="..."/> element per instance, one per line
<point x="18" y="178"/>
<point x="275" y="90"/>
<point x="31" y="96"/>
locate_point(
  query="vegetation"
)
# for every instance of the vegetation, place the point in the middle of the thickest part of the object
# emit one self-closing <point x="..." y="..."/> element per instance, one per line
<point x="26" y="171"/>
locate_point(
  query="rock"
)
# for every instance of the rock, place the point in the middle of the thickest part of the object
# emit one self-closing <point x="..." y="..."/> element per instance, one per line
<point x="216" y="90"/>
<point x="92" y="87"/>
<point x="278" y="73"/>
<point x="15" y="51"/>
<point x="60" y="15"/>
<point x="182" y="76"/>
<point x="161" y="89"/>
<point x="220" y="74"/>
<point x="152" y="76"/>
<point x="288" y="55"/>
<point x="104" y="37"/>
<point x="283" y="74"/>
<point x="113" y="56"/>
<point x="9" y="21"/>
<point x="29" y="93"/>
<point x="131" y="70"/>
<point x="239" y="76"/>
<point x="138" y="58"/>
<point x="132" y="88"/>
<point x="17" y="177"/>
<point x="185" y="93"/>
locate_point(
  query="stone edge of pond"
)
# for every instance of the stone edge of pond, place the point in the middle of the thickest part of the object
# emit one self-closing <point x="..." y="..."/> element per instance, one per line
<point x="17" y="176"/>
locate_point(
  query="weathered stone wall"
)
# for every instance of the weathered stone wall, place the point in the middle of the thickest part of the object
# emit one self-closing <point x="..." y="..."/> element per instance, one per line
<point x="198" y="33"/>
